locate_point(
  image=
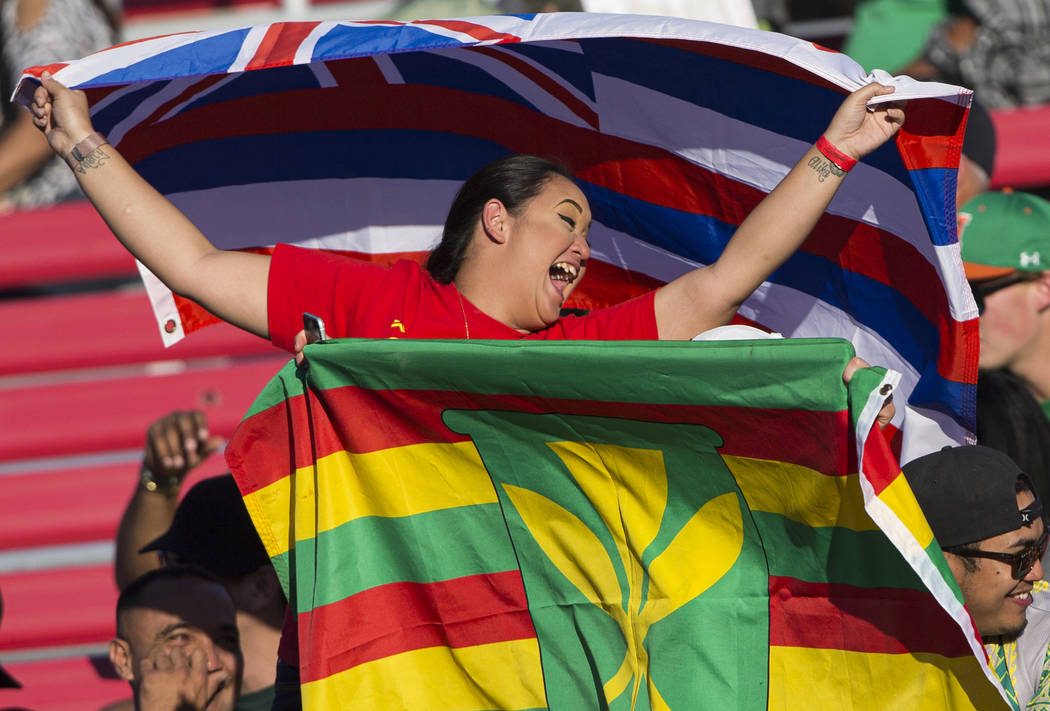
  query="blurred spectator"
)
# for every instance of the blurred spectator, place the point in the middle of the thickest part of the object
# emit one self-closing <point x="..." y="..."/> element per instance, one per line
<point x="40" y="32"/>
<point x="210" y="529"/>
<point x="1001" y="50"/>
<point x="1009" y="419"/>
<point x="1005" y="240"/>
<point x="889" y="34"/>
<point x="177" y="642"/>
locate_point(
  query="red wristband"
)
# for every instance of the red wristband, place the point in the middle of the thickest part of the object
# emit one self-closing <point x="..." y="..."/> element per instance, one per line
<point x="843" y="161"/>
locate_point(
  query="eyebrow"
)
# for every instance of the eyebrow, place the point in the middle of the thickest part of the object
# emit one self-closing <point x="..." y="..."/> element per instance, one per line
<point x="571" y="202"/>
<point x="1022" y="543"/>
<point x="171" y="628"/>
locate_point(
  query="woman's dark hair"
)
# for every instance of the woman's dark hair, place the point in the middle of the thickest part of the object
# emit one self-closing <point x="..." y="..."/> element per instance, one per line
<point x="513" y="180"/>
<point x="1009" y="419"/>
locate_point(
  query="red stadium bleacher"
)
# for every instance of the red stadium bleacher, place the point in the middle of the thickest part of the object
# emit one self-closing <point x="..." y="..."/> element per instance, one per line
<point x="101" y="329"/>
<point x="89" y="508"/>
<point x="1023" y="153"/>
<point x="58" y="244"/>
<point x="101" y="414"/>
<point x="79" y="683"/>
<point x="57" y="607"/>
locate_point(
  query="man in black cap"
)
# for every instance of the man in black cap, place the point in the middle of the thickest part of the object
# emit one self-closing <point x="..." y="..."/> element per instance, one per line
<point x="984" y="512"/>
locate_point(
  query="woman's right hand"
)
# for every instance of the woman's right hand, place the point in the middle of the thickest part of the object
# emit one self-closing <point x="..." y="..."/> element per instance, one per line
<point x="62" y="114"/>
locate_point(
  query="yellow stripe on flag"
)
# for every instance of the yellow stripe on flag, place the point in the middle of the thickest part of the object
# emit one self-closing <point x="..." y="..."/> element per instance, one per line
<point x="838" y="680"/>
<point x="501" y="675"/>
<point x="900" y="499"/>
<point x="801" y="494"/>
<point x="402" y="481"/>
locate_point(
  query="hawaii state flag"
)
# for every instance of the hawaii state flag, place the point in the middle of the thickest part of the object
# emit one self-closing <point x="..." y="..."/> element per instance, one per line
<point x="482" y="525"/>
<point x="354" y="136"/>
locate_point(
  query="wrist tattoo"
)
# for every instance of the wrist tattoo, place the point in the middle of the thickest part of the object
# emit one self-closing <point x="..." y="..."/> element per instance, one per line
<point x="95" y="159"/>
<point x="824" y="168"/>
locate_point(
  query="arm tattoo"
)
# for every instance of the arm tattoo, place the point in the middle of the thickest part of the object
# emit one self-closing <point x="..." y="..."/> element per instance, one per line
<point x="97" y="158"/>
<point x="824" y="168"/>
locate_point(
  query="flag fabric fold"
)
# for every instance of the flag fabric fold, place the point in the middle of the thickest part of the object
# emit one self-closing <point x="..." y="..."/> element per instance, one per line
<point x="512" y="525"/>
<point x="353" y="136"/>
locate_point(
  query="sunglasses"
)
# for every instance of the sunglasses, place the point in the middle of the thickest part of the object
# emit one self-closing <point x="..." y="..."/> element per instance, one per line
<point x="983" y="289"/>
<point x="1021" y="563"/>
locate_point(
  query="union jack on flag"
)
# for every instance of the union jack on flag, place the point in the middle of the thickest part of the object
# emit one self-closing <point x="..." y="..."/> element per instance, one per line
<point x="354" y="136"/>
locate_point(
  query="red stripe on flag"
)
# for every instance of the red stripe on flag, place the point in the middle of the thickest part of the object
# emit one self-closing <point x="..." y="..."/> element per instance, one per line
<point x="479" y="32"/>
<point x="400" y="617"/>
<point x="880" y="466"/>
<point x="578" y="107"/>
<point x="97" y="94"/>
<point x="931" y="137"/>
<point x="52" y="68"/>
<point x="374" y="420"/>
<point x="280" y="44"/>
<point x="752" y="58"/>
<point x="877" y="620"/>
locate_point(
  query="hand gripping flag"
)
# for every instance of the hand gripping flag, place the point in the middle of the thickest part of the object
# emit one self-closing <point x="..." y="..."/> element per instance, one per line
<point x="353" y="136"/>
<point x="566" y="525"/>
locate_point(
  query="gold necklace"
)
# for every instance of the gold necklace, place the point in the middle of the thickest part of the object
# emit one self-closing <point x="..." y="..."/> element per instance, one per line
<point x="463" y="310"/>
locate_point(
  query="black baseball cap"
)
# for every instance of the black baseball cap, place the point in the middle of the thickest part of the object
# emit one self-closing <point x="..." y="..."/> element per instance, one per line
<point x="969" y="494"/>
<point x="212" y="530"/>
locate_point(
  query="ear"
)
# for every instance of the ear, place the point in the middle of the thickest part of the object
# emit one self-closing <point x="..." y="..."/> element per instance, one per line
<point x="1042" y="292"/>
<point x="120" y="657"/>
<point x="494" y="221"/>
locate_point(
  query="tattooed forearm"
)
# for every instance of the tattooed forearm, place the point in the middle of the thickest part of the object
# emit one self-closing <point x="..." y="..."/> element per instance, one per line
<point x="824" y="168"/>
<point x="97" y="158"/>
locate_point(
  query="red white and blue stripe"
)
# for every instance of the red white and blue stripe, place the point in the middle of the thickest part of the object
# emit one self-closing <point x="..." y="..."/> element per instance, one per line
<point x="355" y="135"/>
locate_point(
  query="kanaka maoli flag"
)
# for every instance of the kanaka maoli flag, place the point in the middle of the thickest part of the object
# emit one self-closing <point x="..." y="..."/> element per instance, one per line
<point x="354" y="136"/>
<point x="481" y="525"/>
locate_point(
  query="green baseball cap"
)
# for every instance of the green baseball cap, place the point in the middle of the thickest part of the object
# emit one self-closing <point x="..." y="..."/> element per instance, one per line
<point x="1004" y="232"/>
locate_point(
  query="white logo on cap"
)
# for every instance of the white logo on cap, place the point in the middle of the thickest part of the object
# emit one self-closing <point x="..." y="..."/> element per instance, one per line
<point x="1025" y="518"/>
<point x="1029" y="259"/>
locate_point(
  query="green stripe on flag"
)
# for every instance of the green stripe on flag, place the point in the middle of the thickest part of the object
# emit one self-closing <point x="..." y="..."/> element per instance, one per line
<point x="546" y="369"/>
<point x="371" y="551"/>
<point x="832" y="554"/>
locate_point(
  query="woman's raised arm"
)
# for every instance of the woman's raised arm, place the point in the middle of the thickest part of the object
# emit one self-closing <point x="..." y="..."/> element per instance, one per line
<point x="232" y="285"/>
<point x="709" y="296"/>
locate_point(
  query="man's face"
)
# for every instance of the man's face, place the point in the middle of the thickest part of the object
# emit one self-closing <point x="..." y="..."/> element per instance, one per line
<point x="185" y="621"/>
<point x="997" y="602"/>
<point x="1009" y="324"/>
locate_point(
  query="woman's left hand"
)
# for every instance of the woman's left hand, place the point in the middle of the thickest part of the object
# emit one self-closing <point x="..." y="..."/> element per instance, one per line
<point x="888" y="410"/>
<point x="856" y="129"/>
